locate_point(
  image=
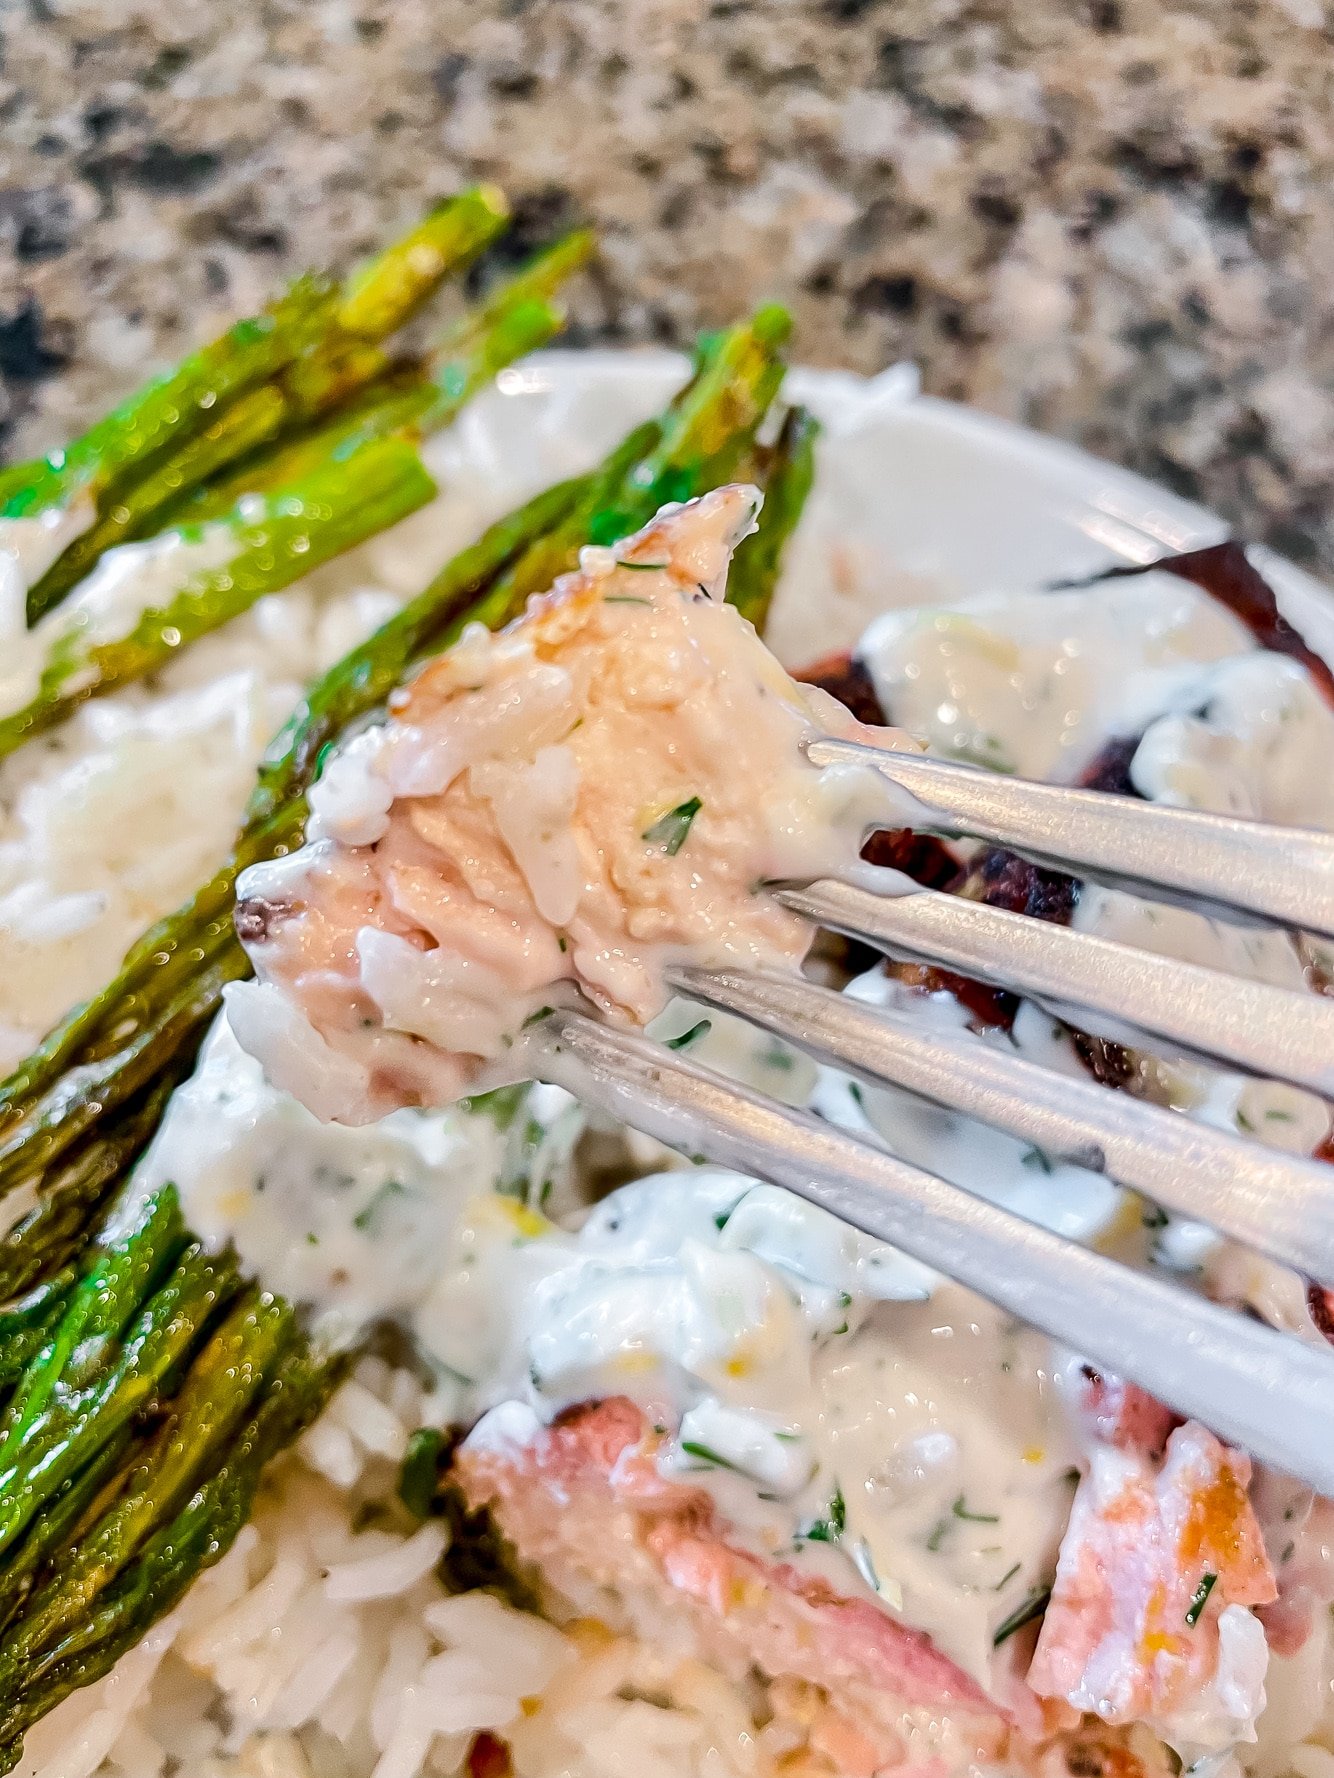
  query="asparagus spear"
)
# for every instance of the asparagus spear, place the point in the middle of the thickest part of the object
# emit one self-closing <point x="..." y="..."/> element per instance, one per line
<point x="308" y="352"/>
<point x="57" y="1443"/>
<point x="197" y="1537"/>
<point x="172" y="409"/>
<point x="95" y="1550"/>
<point x="786" y="473"/>
<point x="292" y="532"/>
<point x="362" y="477"/>
<point x="73" y="1190"/>
<point x="214" y="1402"/>
<point x="700" y="443"/>
<point x="418" y="398"/>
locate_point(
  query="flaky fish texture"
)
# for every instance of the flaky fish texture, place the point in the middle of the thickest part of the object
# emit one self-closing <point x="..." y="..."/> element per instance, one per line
<point x="553" y="814"/>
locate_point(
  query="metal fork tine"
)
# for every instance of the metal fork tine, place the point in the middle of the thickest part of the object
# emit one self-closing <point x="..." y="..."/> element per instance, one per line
<point x="1278" y="1203"/>
<point x="1262" y="1030"/>
<point x="1262" y="1390"/>
<point x="1283" y="874"/>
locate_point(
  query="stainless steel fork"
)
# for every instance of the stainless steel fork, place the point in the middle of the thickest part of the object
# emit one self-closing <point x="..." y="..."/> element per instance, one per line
<point x="1267" y="1391"/>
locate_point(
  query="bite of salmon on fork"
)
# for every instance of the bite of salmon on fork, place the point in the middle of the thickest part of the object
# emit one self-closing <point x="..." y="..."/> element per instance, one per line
<point x="551" y="815"/>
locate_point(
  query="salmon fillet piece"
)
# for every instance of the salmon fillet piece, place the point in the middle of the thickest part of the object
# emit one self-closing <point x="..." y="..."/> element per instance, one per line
<point x="1122" y="1414"/>
<point x="584" y="1501"/>
<point x="1156" y="1572"/>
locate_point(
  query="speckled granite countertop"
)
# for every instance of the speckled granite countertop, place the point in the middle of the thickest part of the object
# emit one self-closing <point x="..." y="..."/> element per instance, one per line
<point x="1113" y="219"/>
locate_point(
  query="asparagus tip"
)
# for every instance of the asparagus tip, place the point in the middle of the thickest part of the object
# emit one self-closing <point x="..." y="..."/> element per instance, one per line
<point x="491" y="198"/>
<point x="772" y="324"/>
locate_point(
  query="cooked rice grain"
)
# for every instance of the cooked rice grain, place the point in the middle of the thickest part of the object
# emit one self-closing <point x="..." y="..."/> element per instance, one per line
<point x="315" y="1650"/>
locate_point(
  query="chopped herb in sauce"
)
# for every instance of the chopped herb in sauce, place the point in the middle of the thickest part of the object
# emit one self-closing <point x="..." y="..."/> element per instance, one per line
<point x="626" y="599"/>
<point x="419" y="1472"/>
<point x="502" y="1105"/>
<point x="960" y="1511"/>
<point x="704" y="1454"/>
<point x="1200" y="1598"/>
<point x="543" y="1012"/>
<point x="938" y="1535"/>
<point x="1005" y="1579"/>
<point x="830" y="1528"/>
<point x="686" y="1038"/>
<point x="367" y="1217"/>
<point x="669" y="831"/>
<point x="645" y="567"/>
<point x="1032" y="1608"/>
<point x="1039" y="1159"/>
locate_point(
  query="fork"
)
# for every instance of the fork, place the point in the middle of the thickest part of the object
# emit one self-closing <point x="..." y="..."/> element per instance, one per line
<point x="1262" y="1389"/>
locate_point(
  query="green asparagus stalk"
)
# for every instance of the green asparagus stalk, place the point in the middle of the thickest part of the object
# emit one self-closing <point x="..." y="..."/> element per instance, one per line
<point x="171" y="410"/>
<point x="74" y="1188"/>
<point x="362" y="477"/>
<point x="785" y="473"/>
<point x="312" y="350"/>
<point x="102" y="1525"/>
<point x="214" y="1402"/>
<point x="200" y="1533"/>
<point x="57" y="1444"/>
<point x="416" y="398"/>
<point x="60" y="1520"/>
<point x="296" y="530"/>
<point x="699" y="445"/>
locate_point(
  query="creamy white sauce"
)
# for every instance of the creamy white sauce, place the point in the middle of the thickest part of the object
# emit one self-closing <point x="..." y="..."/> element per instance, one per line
<point x="104" y="607"/>
<point x="1036" y="682"/>
<point x="357" y="1224"/>
<point x="28" y="547"/>
<point x="914" y="1449"/>
<point x="799" y="1363"/>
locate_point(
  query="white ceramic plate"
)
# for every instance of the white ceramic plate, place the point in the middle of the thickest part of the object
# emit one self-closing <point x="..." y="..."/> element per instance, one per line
<point x="918" y="501"/>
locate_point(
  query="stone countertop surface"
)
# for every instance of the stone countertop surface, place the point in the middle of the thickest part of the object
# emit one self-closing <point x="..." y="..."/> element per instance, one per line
<point x="1111" y="219"/>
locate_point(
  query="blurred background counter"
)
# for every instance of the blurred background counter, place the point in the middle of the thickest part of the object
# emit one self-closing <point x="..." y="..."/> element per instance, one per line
<point x="1112" y="219"/>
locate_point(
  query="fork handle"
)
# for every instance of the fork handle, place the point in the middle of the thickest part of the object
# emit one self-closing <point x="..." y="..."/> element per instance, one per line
<point x="1216" y="863"/>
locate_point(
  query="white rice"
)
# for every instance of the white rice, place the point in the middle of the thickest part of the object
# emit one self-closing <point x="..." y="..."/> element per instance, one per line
<point x="314" y="1650"/>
